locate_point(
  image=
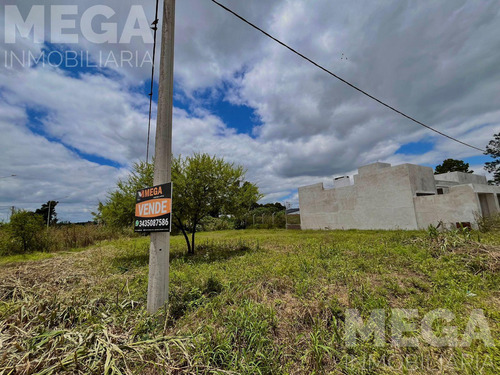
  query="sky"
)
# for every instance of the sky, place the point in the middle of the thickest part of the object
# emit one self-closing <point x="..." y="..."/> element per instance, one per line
<point x="74" y="110"/>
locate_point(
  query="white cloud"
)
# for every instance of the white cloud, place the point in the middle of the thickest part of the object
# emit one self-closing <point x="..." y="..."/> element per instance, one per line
<point x="93" y="113"/>
<point x="439" y="62"/>
<point x="46" y="171"/>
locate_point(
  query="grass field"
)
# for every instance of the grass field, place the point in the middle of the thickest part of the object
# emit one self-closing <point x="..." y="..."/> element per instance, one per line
<point x="250" y="302"/>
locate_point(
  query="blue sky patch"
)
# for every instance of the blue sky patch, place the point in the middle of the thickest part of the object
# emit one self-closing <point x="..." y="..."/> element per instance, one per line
<point x="478" y="160"/>
<point x="415" y="148"/>
<point x="239" y="117"/>
<point x="242" y="118"/>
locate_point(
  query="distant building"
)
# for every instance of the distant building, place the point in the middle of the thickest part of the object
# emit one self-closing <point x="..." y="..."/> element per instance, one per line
<point x="405" y="196"/>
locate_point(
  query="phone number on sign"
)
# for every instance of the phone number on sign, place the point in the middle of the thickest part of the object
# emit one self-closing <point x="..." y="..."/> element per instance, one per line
<point x="153" y="223"/>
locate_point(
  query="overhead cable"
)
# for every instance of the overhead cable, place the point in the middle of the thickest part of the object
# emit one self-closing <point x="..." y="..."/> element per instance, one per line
<point x="345" y="81"/>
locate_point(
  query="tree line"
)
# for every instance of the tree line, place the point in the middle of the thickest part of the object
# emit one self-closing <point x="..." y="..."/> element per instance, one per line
<point x="208" y="192"/>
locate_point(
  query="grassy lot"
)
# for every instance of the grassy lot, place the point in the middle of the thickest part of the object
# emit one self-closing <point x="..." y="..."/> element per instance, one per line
<point x="249" y="302"/>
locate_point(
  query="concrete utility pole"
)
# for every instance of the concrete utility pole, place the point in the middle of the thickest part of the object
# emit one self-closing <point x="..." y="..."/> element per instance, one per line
<point x="48" y="216"/>
<point x="287" y="207"/>
<point x="159" y="249"/>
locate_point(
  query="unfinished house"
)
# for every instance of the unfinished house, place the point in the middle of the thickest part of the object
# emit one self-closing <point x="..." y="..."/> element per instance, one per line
<point x="405" y="196"/>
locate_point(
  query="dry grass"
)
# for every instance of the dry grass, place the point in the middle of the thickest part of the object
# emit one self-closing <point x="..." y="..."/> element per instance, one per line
<point x="60" y="238"/>
<point x="57" y="322"/>
<point x="270" y="302"/>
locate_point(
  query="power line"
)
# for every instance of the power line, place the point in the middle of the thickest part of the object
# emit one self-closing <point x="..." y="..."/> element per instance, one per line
<point x="343" y="80"/>
<point x="155" y="29"/>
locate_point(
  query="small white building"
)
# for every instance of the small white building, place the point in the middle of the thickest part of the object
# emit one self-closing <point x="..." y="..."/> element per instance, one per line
<point x="405" y="196"/>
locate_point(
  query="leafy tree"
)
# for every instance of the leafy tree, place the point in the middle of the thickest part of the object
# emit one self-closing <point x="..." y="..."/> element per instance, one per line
<point x="453" y="165"/>
<point x="119" y="208"/>
<point x="44" y="212"/>
<point x="271" y="207"/>
<point x="493" y="150"/>
<point x="204" y="185"/>
<point x="25" y="228"/>
<point x="246" y="198"/>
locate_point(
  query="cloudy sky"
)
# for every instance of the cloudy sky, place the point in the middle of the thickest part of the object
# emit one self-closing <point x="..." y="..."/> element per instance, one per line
<point x="70" y="127"/>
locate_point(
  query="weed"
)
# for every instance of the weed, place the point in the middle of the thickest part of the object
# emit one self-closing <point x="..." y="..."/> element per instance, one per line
<point x="213" y="286"/>
<point x="488" y="224"/>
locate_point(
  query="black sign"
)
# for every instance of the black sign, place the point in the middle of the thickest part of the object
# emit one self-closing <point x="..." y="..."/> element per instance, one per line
<point x="153" y="209"/>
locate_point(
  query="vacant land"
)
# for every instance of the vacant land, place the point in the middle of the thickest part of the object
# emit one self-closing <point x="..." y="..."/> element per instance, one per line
<point x="249" y="302"/>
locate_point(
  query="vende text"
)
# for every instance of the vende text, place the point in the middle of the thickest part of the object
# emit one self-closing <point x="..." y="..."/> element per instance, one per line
<point x="153" y="208"/>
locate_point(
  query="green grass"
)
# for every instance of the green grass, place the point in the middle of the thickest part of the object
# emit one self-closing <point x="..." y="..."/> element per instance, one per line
<point x="35" y="256"/>
<point x="249" y="302"/>
<point x="19" y="258"/>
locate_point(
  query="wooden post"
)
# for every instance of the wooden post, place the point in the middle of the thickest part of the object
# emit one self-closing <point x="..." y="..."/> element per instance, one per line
<point x="159" y="250"/>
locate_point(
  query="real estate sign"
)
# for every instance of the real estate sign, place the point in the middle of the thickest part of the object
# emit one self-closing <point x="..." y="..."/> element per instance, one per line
<point x="153" y="209"/>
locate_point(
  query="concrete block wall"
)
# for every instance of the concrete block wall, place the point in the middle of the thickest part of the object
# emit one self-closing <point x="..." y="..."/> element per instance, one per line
<point x="462" y="178"/>
<point x="459" y="205"/>
<point x="399" y="197"/>
<point x="381" y="198"/>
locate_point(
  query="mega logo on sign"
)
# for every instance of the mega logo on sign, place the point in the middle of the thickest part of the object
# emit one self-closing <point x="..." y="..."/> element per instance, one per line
<point x="153" y="209"/>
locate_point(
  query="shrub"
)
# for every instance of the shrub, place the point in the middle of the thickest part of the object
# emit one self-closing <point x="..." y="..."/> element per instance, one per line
<point x="5" y="240"/>
<point x="26" y="232"/>
<point x="264" y="219"/>
<point x="211" y="224"/>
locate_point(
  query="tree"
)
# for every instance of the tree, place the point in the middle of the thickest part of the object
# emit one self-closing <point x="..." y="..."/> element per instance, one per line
<point x="119" y="208"/>
<point x="25" y="228"/>
<point x="204" y="185"/>
<point x="453" y="165"/>
<point x="44" y="212"/>
<point x="245" y="200"/>
<point x="493" y="150"/>
<point x="271" y="207"/>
